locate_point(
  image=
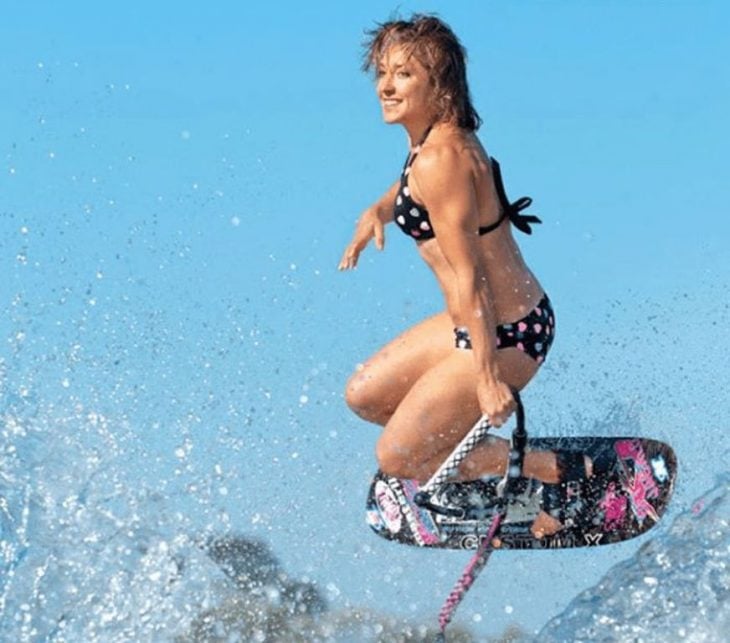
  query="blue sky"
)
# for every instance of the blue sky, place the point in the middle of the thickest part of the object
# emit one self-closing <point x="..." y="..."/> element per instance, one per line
<point x="178" y="182"/>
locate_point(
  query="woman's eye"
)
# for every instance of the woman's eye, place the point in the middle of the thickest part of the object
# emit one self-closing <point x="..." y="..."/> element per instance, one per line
<point x="404" y="74"/>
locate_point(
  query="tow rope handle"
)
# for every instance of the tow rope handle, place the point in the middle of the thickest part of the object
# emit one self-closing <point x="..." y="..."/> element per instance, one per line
<point x="468" y="443"/>
<point x="506" y="489"/>
<point x="508" y="486"/>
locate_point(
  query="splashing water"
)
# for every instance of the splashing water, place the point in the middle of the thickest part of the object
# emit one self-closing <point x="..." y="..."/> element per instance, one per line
<point x="89" y="553"/>
<point x="676" y="587"/>
<point x="86" y="552"/>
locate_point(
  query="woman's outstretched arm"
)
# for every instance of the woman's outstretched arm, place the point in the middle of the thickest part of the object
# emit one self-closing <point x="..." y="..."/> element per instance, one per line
<point x="370" y="225"/>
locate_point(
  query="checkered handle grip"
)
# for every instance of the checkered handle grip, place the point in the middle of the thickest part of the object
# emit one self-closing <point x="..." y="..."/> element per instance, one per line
<point x="476" y="434"/>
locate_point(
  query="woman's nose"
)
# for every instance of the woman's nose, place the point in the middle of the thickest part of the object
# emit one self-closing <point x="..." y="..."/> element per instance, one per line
<point x="385" y="85"/>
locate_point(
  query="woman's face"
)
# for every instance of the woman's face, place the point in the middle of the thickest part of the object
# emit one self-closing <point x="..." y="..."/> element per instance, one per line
<point x="404" y="88"/>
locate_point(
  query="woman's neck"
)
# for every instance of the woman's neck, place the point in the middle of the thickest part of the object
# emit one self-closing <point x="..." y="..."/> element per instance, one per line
<point x="418" y="132"/>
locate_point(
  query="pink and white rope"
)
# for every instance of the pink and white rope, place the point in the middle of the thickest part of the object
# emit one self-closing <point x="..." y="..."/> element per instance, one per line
<point x="469" y="575"/>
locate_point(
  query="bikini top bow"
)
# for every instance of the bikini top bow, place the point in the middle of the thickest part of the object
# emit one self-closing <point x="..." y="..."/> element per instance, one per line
<point x="521" y="221"/>
<point x="512" y="210"/>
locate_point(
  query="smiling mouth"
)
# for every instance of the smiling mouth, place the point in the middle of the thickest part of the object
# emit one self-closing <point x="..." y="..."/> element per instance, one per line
<point x="390" y="102"/>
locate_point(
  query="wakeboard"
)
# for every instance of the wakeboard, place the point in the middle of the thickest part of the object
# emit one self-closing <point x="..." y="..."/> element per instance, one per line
<point x="625" y="501"/>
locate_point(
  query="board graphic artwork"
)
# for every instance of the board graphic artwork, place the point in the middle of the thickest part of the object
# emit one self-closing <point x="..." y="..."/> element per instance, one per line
<point x="621" y="503"/>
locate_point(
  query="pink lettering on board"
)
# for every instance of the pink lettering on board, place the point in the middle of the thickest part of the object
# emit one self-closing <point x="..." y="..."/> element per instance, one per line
<point x="388" y="505"/>
<point x="641" y="486"/>
<point x="410" y="488"/>
<point x="614" y="508"/>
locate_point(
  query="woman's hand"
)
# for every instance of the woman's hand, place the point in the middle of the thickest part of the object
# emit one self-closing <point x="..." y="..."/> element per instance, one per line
<point x="368" y="227"/>
<point x="495" y="401"/>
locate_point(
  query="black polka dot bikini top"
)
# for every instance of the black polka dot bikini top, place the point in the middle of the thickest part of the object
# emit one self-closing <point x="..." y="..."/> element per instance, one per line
<point x="413" y="218"/>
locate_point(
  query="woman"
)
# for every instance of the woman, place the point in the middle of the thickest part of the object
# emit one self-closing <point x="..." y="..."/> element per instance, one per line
<point x="429" y="386"/>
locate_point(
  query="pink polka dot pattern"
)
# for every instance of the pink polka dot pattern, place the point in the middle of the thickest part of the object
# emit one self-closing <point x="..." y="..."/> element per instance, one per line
<point x="533" y="334"/>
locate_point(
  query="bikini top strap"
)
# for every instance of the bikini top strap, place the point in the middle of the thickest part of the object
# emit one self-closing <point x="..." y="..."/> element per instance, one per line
<point x="512" y="210"/>
<point x="417" y="149"/>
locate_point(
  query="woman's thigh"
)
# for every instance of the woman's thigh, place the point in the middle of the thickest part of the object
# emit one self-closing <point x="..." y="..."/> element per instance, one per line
<point x="439" y="409"/>
<point x="378" y="386"/>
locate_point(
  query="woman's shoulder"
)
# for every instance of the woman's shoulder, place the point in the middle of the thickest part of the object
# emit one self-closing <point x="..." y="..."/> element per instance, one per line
<point x="450" y="153"/>
<point x="443" y="167"/>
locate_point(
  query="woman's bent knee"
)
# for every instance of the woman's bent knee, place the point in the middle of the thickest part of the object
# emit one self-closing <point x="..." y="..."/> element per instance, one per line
<point x="363" y="398"/>
<point x="358" y="396"/>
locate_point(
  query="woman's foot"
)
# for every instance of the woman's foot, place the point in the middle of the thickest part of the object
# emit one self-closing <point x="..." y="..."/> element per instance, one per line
<point x="572" y="469"/>
<point x="545" y="525"/>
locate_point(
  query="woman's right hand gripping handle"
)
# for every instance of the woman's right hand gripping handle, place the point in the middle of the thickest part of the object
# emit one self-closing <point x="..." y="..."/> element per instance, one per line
<point x="371" y="225"/>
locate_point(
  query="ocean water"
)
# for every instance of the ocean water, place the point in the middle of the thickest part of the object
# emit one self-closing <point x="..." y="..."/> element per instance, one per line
<point x="88" y="552"/>
<point x="676" y="587"/>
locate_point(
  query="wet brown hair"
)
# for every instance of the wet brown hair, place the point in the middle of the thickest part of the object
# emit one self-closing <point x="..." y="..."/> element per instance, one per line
<point x="438" y="49"/>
